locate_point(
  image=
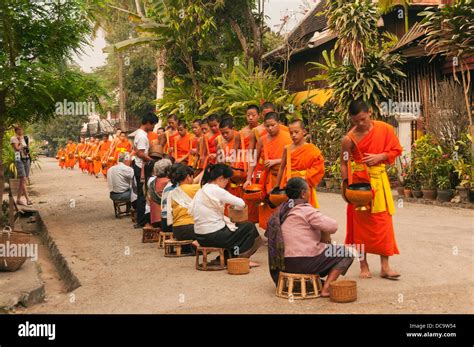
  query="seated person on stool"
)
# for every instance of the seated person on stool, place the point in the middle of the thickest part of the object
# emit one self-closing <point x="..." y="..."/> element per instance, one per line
<point x="211" y="227"/>
<point x="294" y="239"/>
<point x="179" y="200"/>
<point x="119" y="179"/>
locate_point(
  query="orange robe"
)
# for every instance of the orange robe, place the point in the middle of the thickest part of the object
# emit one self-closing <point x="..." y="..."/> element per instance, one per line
<point x="211" y="147"/>
<point x="272" y="149"/>
<point x="182" y="146"/>
<point x="373" y="230"/>
<point x="306" y="162"/>
<point x="193" y="159"/>
<point x="169" y="141"/>
<point x="252" y="205"/>
<point x="70" y="159"/>
<point x="152" y="137"/>
<point x="104" y="156"/>
<point x="227" y="156"/>
<point x="81" y="147"/>
<point x="122" y="147"/>
<point x="62" y="158"/>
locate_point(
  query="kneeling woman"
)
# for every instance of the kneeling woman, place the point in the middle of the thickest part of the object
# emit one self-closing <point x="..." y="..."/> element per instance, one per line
<point x="294" y="239"/>
<point x="211" y="227"/>
<point x="179" y="200"/>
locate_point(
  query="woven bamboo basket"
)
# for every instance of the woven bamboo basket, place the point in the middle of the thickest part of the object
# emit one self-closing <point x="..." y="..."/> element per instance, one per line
<point x="238" y="266"/>
<point x="343" y="291"/>
<point x="12" y="263"/>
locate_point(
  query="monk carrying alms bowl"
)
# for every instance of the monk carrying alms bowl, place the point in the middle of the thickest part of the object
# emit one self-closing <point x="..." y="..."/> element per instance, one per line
<point x="359" y="194"/>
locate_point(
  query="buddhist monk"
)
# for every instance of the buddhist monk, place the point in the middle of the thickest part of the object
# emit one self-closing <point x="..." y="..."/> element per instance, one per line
<point x="366" y="149"/>
<point x="81" y="147"/>
<point x="90" y="155"/>
<point x="168" y="137"/>
<point x="243" y="142"/>
<point x="103" y="153"/>
<point x="270" y="147"/>
<point x="70" y="152"/>
<point x="202" y="143"/>
<point x="182" y="144"/>
<point x="210" y="145"/>
<point x="62" y="157"/>
<point x="301" y="159"/>
<point x="122" y="146"/>
<point x="226" y="152"/>
<point x="194" y="152"/>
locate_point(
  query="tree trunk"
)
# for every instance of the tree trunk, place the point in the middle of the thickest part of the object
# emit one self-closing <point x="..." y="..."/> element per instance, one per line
<point x="2" y="176"/>
<point x="122" y="116"/>
<point x="160" y="77"/>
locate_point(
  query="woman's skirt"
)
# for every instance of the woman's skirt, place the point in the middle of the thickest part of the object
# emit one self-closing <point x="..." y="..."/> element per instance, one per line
<point x="240" y="242"/>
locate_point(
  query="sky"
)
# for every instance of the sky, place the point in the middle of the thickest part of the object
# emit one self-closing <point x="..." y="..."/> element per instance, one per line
<point x="274" y="9"/>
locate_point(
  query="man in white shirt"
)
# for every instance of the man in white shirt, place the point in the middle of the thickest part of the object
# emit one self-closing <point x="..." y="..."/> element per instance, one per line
<point x="141" y="146"/>
<point x="120" y="178"/>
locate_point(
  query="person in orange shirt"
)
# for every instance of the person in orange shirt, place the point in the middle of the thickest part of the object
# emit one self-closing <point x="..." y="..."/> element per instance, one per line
<point x="89" y="153"/>
<point x="70" y="152"/>
<point x="182" y="144"/>
<point x="202" y="144"/>
<point x="301" y="159"/>
<point x="270" y="147"/>
<point x="210" y="144"/>
<point x="366" y="149"/>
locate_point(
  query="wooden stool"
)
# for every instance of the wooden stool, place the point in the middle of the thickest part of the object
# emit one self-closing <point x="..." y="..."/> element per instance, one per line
<point x="119" y="212"/>
<point x="173" y="248"/>
<point x="298" y="286"/>
<point x="151" y="234"/>
<point x="163" y="236"/>
<point x="205" y="266"/>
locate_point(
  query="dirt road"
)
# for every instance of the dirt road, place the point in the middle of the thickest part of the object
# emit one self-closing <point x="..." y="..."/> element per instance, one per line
<point x="119" y="274"/>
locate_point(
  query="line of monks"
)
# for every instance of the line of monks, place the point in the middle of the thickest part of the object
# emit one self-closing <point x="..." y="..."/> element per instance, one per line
<point x="268" y="154"/>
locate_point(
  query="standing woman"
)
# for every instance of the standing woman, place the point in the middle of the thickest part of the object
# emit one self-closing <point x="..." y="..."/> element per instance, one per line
<point x="22" y="163"/>
<point x="211" y="227"/>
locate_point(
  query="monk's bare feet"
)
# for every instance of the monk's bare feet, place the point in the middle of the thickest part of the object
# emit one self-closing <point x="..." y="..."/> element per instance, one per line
<point x="253" y="264"/>
<point x="389" y="274"/>
<point x="364" y="270"/>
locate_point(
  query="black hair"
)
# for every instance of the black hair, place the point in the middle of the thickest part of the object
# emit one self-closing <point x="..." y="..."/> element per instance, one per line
<point x="299" y="121"/>
<point x="182" y="123"/>
<point x="172" y="116"/>
<point x="179" y="172"/>
<point x="269" y="105"/>
<point x="358" y="106"/>
<point x="214" y="171"/>
<point x="253" y="107"/>
<point x="148" y="171"/>
<point x="272" y="115"/>
<point x="197" y="121"/>
<point x="161" y="128"/>
<point x="294" y="187"/>
<point x="213" y="118"/>
<point x="150" y="117"/>
<point x="227" y="123"/>
<point x="204" y="121"/>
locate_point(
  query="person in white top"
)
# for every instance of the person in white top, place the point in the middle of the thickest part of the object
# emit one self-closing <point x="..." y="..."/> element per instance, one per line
<point x="141" y="146"/>
<point x="120" y="178"/>
<point x="211" y="227"/>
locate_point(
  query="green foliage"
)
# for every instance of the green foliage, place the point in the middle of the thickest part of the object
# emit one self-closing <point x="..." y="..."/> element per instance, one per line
<point x="247" y="84"/>
<point x="374" y="82"/>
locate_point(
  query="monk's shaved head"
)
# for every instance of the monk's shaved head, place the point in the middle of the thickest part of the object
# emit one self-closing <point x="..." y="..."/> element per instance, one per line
<point x="298" y="122"/>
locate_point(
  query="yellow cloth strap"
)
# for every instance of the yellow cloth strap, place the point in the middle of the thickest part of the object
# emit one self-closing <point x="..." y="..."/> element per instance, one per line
<point x="383" y="199"/>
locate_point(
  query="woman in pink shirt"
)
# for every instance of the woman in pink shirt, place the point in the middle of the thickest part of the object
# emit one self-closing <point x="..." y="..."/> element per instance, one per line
<point x="294" y="239"/>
